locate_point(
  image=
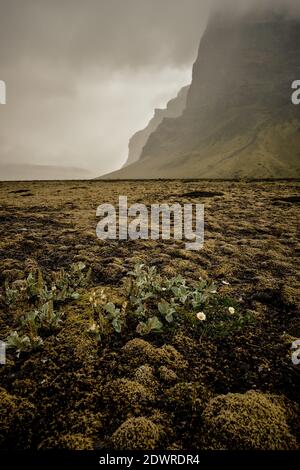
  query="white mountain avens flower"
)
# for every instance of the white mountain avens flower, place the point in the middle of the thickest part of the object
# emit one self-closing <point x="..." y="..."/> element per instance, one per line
<point x="201" y="316"/>
<point x="231" y="310"/>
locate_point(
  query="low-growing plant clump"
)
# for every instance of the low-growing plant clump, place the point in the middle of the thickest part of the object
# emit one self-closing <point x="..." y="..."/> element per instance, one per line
<point x="153" y="304"/>
<point x="42" y="299"/>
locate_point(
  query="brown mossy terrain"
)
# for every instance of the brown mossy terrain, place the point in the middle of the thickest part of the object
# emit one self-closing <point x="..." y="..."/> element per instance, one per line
<point x="232" y="388"/>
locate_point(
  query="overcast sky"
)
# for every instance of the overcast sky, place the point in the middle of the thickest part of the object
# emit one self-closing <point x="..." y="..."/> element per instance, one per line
<point x="83" y="75"/>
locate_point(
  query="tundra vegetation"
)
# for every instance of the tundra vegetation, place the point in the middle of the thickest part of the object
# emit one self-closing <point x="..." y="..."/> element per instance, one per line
<point x="143" y="344"/>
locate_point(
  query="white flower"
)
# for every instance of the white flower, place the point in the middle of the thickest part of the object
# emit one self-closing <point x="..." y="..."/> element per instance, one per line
<point x="231" y="310"/>
<point x="201" y="316"/>
<point x="93" y="327"/>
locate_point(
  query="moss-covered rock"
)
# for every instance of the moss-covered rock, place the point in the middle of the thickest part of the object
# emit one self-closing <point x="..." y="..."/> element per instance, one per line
<point x="247" y="421"/>
<point x="123" y="396"/>
<point x="16" y="420"/>
<point x="68" y="442"/>
<point x="136" y="434"/>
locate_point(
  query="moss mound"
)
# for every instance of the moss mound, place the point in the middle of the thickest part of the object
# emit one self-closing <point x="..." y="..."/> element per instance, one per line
<point x="16" y="419"/>
<point x="187" y="400"/>
<point x="144" y="375"/>
<point x="246" y="422"/>
<point x="136" y="434"/>
<point x="125" y="396"/>
<point x="167" y="375"/>
<point x="68" y="442"/>
<point x="138" y="352"/>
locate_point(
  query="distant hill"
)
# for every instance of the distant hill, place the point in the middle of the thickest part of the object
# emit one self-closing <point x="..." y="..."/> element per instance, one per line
<point x="239" y="120"/>
<point x="27" y="172"/>
<point x="173" y="109"/>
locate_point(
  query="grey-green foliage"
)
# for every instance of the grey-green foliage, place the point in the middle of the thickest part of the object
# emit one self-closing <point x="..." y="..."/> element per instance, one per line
<point x="152" y="325"/>
<point x="114" y="316"/>
<point x="32" y="326"/>
<point x="10" y="294"/>
<point x="66" y="283"/>
<point x="202" y="293"/>
<point x="62" y="286"/>
<point x="23" y="343"/>
<point x="157" y="303"/>
<point x="35" y="291"/>
<point x="167" y="310"/>
<point x="48" y="318"/>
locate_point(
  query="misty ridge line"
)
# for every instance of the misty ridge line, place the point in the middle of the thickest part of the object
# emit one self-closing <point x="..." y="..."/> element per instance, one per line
<point x="236" y="8"/>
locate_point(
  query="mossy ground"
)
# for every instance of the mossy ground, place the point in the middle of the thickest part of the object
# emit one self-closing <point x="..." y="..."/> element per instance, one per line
<point x="75" y="393"/>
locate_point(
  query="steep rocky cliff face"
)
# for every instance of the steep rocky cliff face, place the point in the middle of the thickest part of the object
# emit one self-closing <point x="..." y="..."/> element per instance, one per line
<point x="174" y="108"/>
<point x="239" y="120"/>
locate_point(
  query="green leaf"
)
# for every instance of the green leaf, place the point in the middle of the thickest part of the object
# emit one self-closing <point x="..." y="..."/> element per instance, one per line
<point x="169" y="317"/>
<point x="117" y="325"/>
<point x="75" y="295"/>
<point x="154" y="324"/>
<point x="163" y="308"/>
<point x="110" y="308"/>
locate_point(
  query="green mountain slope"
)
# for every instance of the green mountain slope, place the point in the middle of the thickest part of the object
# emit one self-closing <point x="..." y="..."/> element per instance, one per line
<point x="239" y="119"/>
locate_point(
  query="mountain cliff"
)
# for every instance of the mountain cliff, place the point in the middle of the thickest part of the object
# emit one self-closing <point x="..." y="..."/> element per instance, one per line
<point x="239" y="119"/>
<point x="173" y="109"/>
